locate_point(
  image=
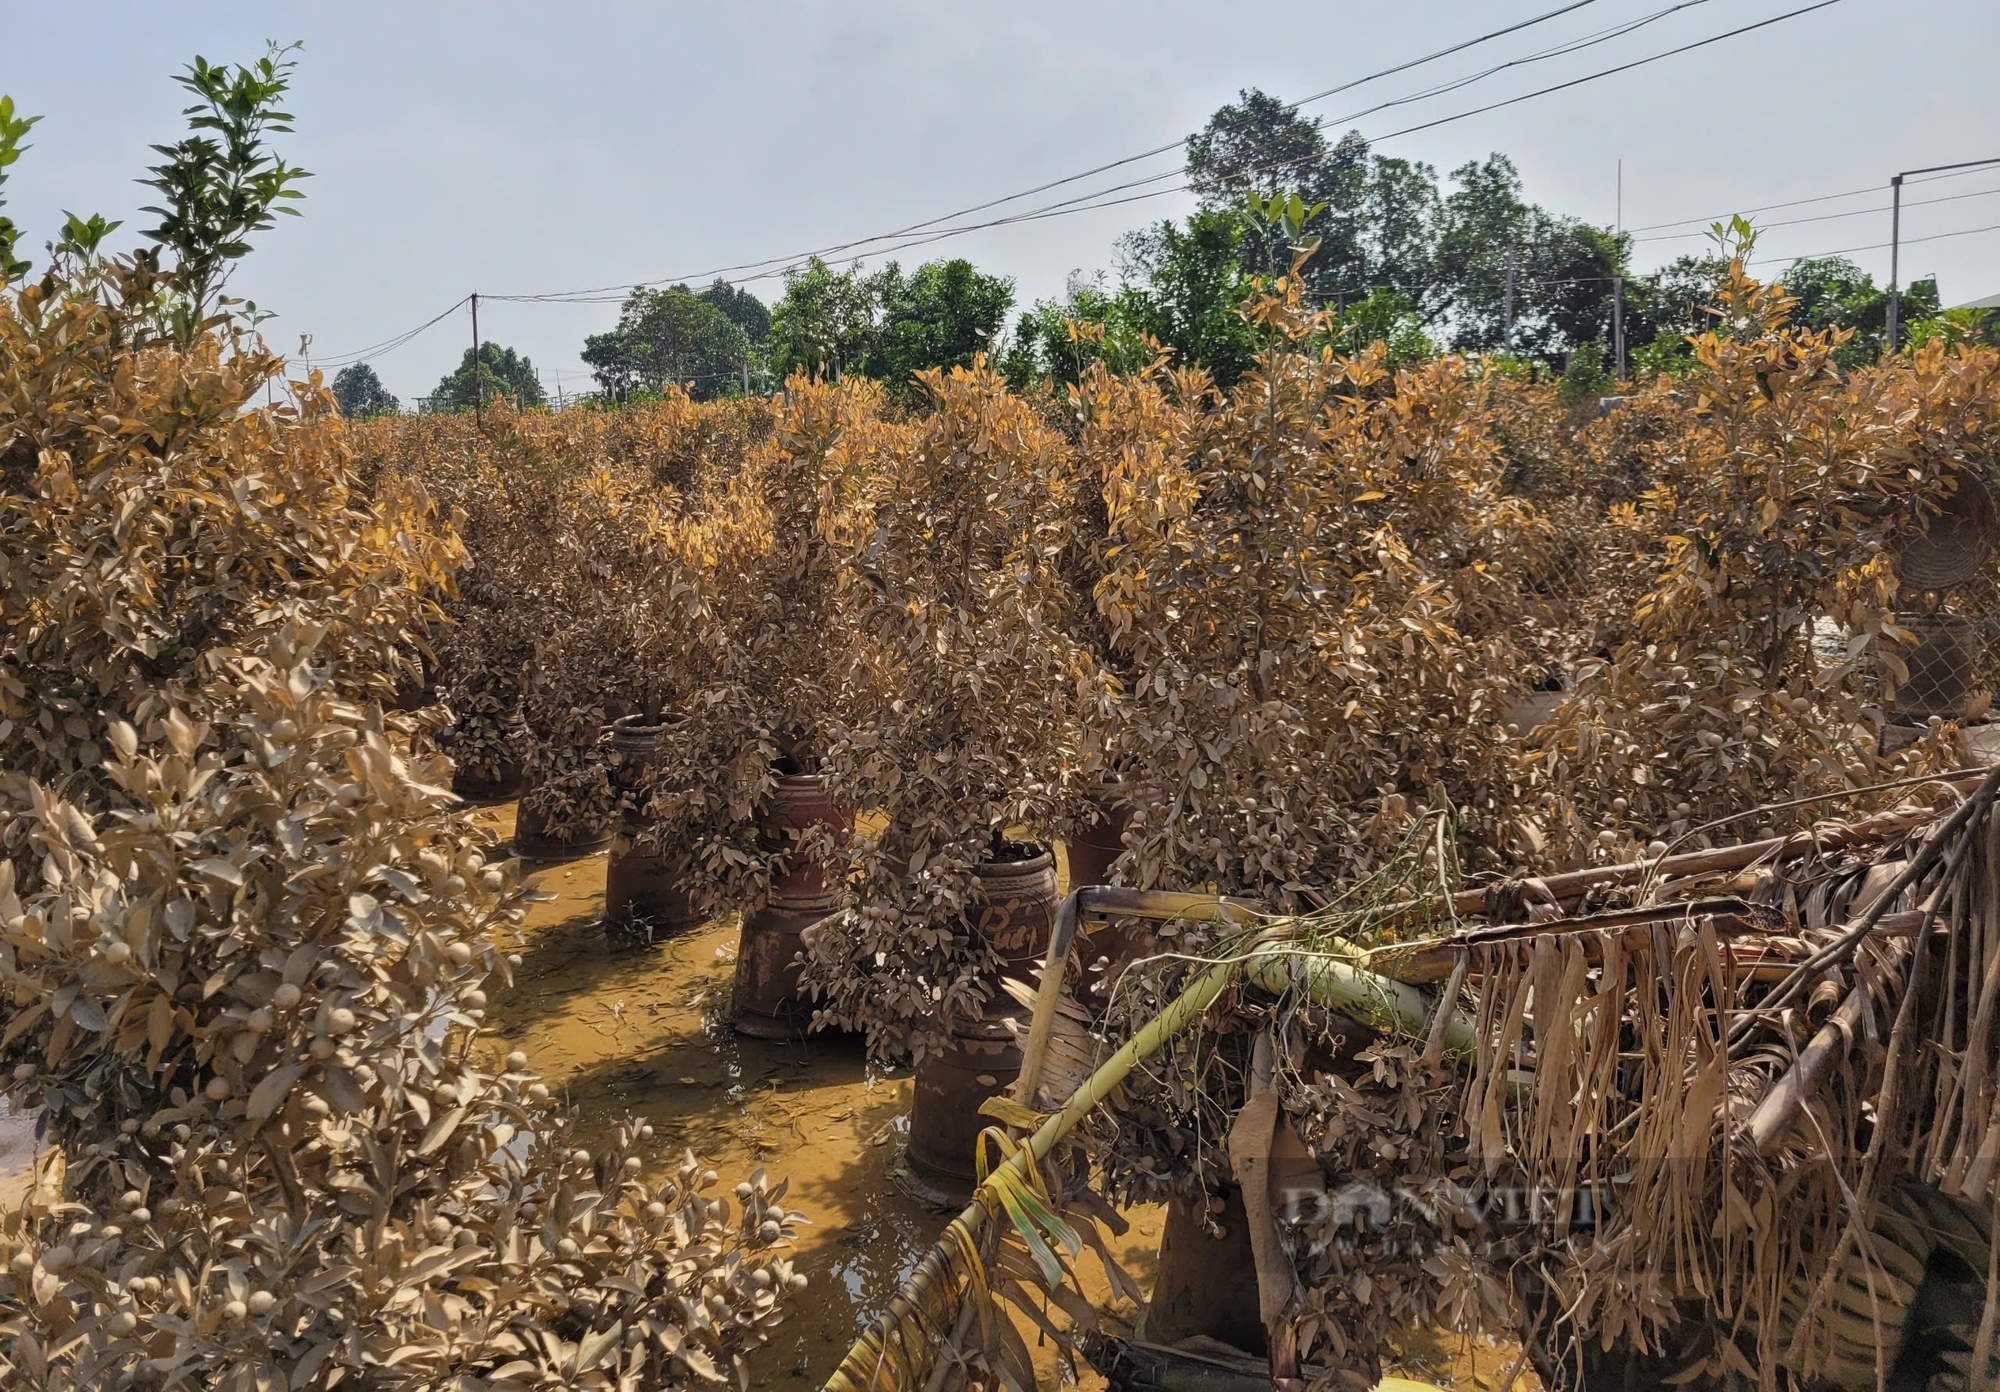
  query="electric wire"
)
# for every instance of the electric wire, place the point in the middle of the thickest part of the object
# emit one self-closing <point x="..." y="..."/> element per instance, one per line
<point x="1085" y="203"/>
<point x="1830" y="217"/>
<point x="390" y="345"/>
<point x="1099" y="199"/>
<point x="1156" y="151"/>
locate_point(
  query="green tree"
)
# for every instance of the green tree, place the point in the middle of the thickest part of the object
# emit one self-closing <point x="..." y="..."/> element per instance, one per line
<point x="744" y="309"/>
<point x="1833" y="292"/>
<point x="12" y="129"/>
<point x="1183" y="286"/>
<point x="221" y="183"/>
<point x="669" y="336"/>
<point x="1664" y="309"/>
<point x="824" y="323"/>
<point x="358" y="392"/>
<point x="1387" y="318"/>
<point x="939" y="315"/>
<point x="1058" y="339"/>
<point x="1375" y="222"/>
<point x="1261" y="145"/>
<point x="1586" y="376"/>
<point x="1564" y="269"/>
<point x="502" y="373"/>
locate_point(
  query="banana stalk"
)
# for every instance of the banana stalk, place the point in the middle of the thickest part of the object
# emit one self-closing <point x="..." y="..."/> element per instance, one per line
<point x="895" y="1353"/>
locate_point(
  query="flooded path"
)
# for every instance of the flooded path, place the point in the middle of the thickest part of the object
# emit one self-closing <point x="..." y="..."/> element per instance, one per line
<point x="647" y="1033"/>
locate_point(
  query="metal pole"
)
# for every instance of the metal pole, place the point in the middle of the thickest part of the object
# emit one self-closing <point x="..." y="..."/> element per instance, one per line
<point x="1618" y="282"/>
<point x="1618" y="322"/>
<point x="477" y="419"/>
<point x="1895" y="239"/>
<point x="1896" y="234"/>
<point x="1507" y="305"/>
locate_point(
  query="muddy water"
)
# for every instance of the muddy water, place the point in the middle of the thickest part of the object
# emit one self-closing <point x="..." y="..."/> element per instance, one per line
<point x="647" y="1033"/>
<point x="17" y="1155"/>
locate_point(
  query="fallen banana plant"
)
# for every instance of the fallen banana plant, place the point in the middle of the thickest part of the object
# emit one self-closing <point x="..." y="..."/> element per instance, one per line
<point x="900" y="1350"/>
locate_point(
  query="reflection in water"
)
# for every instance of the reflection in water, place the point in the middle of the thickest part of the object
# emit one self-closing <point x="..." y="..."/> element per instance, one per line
<point x="17" y="1153"/>
<point x="647" y="1033"/>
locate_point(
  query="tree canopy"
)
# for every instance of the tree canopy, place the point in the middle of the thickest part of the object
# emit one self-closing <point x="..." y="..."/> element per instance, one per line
<point x="358" y="392"/>
<point x="673" y="336"/>
<point x="1832" y="290"/>
<point x="502" y="373"/>
<point x="890" y="324"/>
<point x="1396" y="252"/>
<point x="939" y="315"/>
<point x="824" y="323"/>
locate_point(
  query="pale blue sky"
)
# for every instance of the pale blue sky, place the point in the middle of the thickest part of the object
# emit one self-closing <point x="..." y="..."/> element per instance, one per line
<point x="509" y="147"/>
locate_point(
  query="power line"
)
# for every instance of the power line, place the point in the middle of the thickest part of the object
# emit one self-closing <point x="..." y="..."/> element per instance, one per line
<point x="1830" y="217"/>
<point x="1794" y="203"/>
<point x="1074" y="178"/>
<point x="1877" y="246"/>
<point x="1092" y="201"/>
<point x="1098" y="199"/>
<point x="390" y="345"/>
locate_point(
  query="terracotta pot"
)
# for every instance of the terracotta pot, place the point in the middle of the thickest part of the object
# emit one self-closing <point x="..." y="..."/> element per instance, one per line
<point x="981" y="1061"/>
<point x="634" y="746"/>
<point x="1206" y="1285"/>
<point x="534" y="841"/>
<point x="1016" y="911"/>
<point x="800" y="804"/>
<point x="1941" y="668"/>
<point x="768" y="1004"/>
<point x="411" y="697"/>
<point x="1092" y="850"/>
<point x="504" y="787"/>
<point x="644" y="901"/>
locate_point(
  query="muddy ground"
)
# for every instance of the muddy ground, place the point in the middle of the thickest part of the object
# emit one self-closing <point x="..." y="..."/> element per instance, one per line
<point x="647" y="1033"/>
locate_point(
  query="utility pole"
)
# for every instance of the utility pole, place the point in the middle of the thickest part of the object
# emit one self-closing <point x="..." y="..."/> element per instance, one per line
<point x="746" y="375"/>
<point x="1507" y="305"/>
<point x="1895" y="246"/>
<point x="1896" y="236"/>
<point x="1618" y="282"/>
<point x="478" y="420"/>
<point x="1618" y="323"/>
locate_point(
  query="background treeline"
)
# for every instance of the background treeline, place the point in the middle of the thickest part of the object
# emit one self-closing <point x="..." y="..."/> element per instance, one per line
<point x="1404" y="256"/>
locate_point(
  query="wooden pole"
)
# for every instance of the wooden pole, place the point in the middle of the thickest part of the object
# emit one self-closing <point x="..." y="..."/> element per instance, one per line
<point x="477" y="418"/>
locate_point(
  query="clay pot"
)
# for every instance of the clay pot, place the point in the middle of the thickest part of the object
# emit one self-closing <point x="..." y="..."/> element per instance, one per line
<point x="410" y="697"/>
<point x="644" y="901"/>
<point x="504" y="787"/>
<point x="1206" y="1285"/>
<point x="800" y="804"/>
<point x="981" y="1061"/>
<point x="534" y="841"/>
<point x="1941" y="668"/>
<point x="1093" y="849"/>
<point x="633" y="748"/>
<point x="1016" y="911"/>
<point x="768" y="1004"/>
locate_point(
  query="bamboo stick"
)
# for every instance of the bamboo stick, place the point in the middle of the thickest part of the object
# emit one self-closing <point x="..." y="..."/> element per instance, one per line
<point x="1780" y="1108"/>
<point x="1574" y="884"/>
<point x="1047" y="993"/>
